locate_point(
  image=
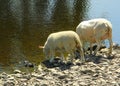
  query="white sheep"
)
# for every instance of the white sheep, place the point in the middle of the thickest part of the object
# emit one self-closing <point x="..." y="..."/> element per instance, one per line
<point x="95" y="31"/>
<point x="64" y="41"/>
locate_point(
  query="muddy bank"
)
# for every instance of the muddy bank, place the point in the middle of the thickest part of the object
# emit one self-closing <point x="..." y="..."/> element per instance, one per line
<point x="100" y="70"/>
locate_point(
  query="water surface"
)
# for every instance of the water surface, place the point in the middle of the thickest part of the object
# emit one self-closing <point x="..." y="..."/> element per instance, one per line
<point x="26" y="24"/>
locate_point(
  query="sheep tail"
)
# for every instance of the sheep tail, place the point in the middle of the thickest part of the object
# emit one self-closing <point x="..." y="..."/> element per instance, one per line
<point x="78" y="43"/>
<point x="41" y="47"/>
<point x="109" y="26"/>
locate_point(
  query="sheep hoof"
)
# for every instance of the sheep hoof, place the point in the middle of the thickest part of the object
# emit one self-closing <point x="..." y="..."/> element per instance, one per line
<point x="69" y="63"/>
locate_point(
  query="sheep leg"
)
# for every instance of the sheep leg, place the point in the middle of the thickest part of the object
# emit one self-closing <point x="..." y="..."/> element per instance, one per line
<point x="52" y="59"/>
<point x="70" y="51"/>
<point x="98" y="47"/>
<point x="91" y="49"/>
<point x="71" y="56"/>
<point x="111" y="45"/>
<point x="82" y="55"/>
<point x="52" y="56"/>
<point x="62" y="56"/>
<point x="85" y="48"/>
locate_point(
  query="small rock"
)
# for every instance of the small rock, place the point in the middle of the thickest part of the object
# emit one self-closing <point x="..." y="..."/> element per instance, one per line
<point x="83" y="84"/>
<point x="11" y="78"/>
<point x="115" y="46"/>
<point x="37" y="76"/>
<point x="102" y="81"/>
<point x="23" y="79"/>
<point x="114" y="52"/>
<point x="93" y="83"/>
<point x="43" y="85"/>
<point x="75" y="68"/>
<point x="118" y="70"/>
<point x="37" y="84"/>
<point x="18" y="75"/>
<point x="23" y="84"/>
<point x="17" y="71"/>
<point x="104" y="63"/>
<point x="28" y="64"/>
<point x="114" y="82"/>
<point x="105" y="56"/>
<point x="118" y="76"/>
<point x="9" y="83"/>
<point x="62" y="76"/>
<point x="87" y="71"/>
<point x="117" y="55"/>
<point x="75" y="84"/>
<point x="104" y="50"/>
<point x="95" y="75"/>
<point x="3" y="75"/>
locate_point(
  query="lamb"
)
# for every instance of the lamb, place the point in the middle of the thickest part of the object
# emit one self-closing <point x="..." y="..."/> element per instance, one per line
<point x="64" y="41"/>
<point x="95" y="31"/>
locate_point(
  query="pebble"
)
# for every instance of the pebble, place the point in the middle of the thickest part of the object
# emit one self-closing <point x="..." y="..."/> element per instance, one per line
<point x="117" y="55"/>
<point x="17" y="71"/>
<point x="115" y="46"/>
<point x="62" y="77"/>
<point x="9" y="83"/>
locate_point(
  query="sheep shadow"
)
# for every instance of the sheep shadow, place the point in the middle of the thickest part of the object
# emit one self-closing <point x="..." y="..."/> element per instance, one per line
<point x="89" y="58"/>
<point x="94" y="59"/>
<point x="57" y="63"/>
<point x="98" y="59"/>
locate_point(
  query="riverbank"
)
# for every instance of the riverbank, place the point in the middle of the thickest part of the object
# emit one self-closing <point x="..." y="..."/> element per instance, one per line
<point x="100" y="70"/>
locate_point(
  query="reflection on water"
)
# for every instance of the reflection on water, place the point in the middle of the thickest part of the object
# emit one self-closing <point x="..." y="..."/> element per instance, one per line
<point x="16" y="11"/>
<point x="25" y="24"/>
<point x="50" y="8"/>
<point x="17" y="14"/>
<point x="32" y="9"/>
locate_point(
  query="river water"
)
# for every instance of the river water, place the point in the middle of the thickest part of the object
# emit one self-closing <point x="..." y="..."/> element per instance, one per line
<point x="26" y="24"/>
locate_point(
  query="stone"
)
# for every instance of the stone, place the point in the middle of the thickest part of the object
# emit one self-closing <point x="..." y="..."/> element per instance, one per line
<point x="82" y="84"/>
<point x="43" y="85"/>
<point x="104" y="50"/>
<point x="18" y="75"/>
<point x="23" y="84"/>
<point x="11" y="78"/>
<point x="38" y="76"/>
<point x="9" y="83"/>
<point x="23" y="79"/>
<point x="87" y="71"/>
<point x="115" y="45"/>
<point x="118" y="70"/>
<point x="75" y="84"/>
<point x="114" y="52"/>
<point x="62" y="77"/>
<point x="117" y="55"/>
<point x="17" y="71"/>
<point x="1" y="82"/>
<point x="95" y="75"/>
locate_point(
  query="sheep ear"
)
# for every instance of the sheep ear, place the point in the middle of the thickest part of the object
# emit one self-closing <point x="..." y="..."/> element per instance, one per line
<point x="41" y="46"/>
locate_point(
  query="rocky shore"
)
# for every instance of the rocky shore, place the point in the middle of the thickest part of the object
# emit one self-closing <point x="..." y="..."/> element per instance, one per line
<point x="100" y="70"/>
